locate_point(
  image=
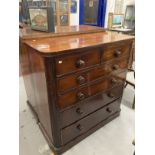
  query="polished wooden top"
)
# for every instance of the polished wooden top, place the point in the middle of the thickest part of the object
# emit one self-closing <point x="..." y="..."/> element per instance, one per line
<point x="56" y="45"/>
<point x="28" y="33"/>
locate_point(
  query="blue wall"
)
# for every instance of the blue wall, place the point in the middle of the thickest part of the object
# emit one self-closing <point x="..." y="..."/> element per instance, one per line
<point x="101" y="13"/>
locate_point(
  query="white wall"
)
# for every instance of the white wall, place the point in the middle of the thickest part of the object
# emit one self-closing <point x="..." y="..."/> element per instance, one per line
<point x="111" y="6"/>
<point x="127" y="2"/>
<point x="74" y="17"/>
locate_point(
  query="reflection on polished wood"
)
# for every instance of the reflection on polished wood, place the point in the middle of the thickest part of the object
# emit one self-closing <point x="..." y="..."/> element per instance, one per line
<point x="74" y="81"/>
<point x="28" y="33"/>
<point x="61" y="44"/>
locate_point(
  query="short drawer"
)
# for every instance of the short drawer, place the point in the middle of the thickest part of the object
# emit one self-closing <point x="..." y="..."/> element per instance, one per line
<point x="83" y="125"/>
<point x="81" y="110"/>
<point x="110" y="53"/>
<point x="81" y="94"/>
<point x="70" y="63"/>
<point x="78" y="79"/>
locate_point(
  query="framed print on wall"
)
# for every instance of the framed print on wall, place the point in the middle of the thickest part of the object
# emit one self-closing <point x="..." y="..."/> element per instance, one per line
<point x="73" y="6"/>
<point x="42" y="18"/>
<point x="63" y="20"/>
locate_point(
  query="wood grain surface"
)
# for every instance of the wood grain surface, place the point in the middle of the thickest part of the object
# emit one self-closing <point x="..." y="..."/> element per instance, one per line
<point x="64" y="44"/>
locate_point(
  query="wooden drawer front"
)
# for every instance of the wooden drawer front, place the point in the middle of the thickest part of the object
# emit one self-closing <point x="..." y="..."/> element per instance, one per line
<point x="76" y="80"/>
<point x="82" y="126"/>
<point x="115" y="52"/>
<point x="82" y="93"/>
<point x="81" y="110"/>
<point x="71" y="63"/>
<point x="114" y="67"/>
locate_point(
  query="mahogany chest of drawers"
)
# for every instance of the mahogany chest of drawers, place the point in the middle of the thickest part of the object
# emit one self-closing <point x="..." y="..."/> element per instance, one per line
<point x="74" y="83"/>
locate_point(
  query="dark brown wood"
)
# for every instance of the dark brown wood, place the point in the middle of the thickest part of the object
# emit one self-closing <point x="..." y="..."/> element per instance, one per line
<point x="79" y="94"/>
<point x="66" y="44"/>
<point x="132" y="57"/>
<point x="81" y="137"/>
<point x="80" y="78"/>
<point x="115" y="52"/>
<point x="70" y="63"/>
<point x="82" y="126"/>
<point x="82" y="109"/>
<point x="60" y="150"/>
<point x="74" y="83"/>
<point x="35" y="81"/>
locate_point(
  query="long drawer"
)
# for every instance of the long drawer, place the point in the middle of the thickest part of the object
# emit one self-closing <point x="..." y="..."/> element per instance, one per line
<point x="83" y="109"/>
<point x="81" y="94"/>
<point x="70" y="63"/>
<point x="83" y="125"/>
<point x="78" y="79"/>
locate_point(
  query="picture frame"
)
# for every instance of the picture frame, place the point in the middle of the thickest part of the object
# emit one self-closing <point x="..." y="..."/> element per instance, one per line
<point x="64" y="20"/>
<point x="63" y="6"/>
<point x="42" y="18"/>
<point x="73" y="6"/>
<point x="115" y="20"/>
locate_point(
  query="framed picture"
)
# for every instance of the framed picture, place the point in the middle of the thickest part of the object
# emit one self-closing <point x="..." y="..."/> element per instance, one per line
<point x="115" y="20"/>
<point x="42" y="18"/>
<point x="63" y="6"/>
<point x="64" y="20"/>
<point x="73" y="6"/>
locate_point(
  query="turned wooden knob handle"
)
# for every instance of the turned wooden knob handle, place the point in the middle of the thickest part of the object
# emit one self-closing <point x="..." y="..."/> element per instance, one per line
<point x="81" y="96"/>
<point x="80" y="79"/>
<point x="80" y="63"/>
<point x="117" y="53"/>
<point x="113" y="80"/>
<point x="110" y="94"/>
<point x="109" y="110"/>
<point x="79" y="111"/>
<point x="80" y="127"/>
<point x="115" y="67"/>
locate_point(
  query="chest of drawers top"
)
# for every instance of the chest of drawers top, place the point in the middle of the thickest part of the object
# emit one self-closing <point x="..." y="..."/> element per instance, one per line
<point x="70" y="43"/>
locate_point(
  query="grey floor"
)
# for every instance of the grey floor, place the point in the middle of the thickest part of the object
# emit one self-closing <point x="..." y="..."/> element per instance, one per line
<point x="113" y="139"/>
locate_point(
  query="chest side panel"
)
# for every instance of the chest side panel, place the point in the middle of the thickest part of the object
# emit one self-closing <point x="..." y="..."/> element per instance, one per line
<point x="36" y="88"/>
